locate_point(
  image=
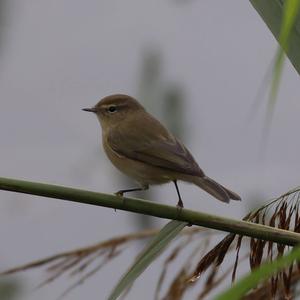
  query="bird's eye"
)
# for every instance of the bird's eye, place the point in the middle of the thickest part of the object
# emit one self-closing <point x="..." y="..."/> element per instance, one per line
<point x="112" y="109"/>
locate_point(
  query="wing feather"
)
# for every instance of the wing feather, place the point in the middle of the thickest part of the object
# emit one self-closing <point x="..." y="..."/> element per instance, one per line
<point x="163" y="151"/>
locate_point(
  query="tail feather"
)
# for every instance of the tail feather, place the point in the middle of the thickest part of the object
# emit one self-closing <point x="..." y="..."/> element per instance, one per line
<point x="215" y="189"/>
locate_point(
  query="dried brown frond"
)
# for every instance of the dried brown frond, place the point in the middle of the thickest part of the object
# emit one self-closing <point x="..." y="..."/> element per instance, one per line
<point x="282" y="213"/>
<point x="214" y="256"/>
<point x="177" y="287"/>
<point x="81" y="261"/>
<point x="263" y="292"/>
<point x="186" y="269"/>
<point x="168" y="261"/>
<point x="238" y="248"/>
<point x="62" y="258"/>
<point x="97" y="268"/>
<point x="213" y="284"/>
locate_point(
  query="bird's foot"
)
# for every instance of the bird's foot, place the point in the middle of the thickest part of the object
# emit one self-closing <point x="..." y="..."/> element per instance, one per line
<point x="179" y="204"/>
<point x="179" y="208"/>
<point x="119" y="193"/>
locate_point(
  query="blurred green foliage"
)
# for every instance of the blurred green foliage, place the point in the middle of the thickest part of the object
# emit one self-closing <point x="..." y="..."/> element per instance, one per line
<point x="283" y="19"/>
<point x="9" y="289"/>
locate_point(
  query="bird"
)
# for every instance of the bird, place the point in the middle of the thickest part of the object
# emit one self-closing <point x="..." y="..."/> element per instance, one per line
<point x="142" y="148"/>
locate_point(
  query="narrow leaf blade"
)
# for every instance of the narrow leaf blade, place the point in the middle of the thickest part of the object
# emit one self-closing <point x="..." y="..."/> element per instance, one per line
<point x="263" y="273"/>
<point x="289" y="15"/>
<point x="283" y="22"/>
<point x="147" y="256"/>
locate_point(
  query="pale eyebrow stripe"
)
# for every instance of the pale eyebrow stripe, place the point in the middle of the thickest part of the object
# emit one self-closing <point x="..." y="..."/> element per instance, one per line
<point x="116" y="105"/>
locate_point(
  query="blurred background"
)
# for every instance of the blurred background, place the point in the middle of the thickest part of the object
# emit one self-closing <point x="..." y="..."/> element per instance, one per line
<point x="196" y="65"/>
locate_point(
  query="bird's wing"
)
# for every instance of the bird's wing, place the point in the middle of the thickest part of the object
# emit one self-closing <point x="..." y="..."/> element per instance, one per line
<point x="164" y="151"/>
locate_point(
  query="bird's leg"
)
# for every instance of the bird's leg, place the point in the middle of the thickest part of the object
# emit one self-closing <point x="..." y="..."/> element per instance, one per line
<point x="142" y="188"/>
<point x="180" y="203"/>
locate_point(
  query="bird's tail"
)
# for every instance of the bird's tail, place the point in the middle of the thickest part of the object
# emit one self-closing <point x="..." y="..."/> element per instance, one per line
<point x="215" y="189"/>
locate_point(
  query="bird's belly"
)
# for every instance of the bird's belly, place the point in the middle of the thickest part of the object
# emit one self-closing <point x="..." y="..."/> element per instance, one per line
<point x="139" y="171"/>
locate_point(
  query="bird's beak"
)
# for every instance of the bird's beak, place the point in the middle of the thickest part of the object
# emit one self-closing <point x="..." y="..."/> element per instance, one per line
<point x="92" y="109"/>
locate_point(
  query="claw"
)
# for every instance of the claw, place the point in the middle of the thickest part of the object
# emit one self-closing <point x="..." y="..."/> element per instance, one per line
<point x="119" y="194"/>
<point x="179" y="207"/>
<point x="179" y="204"/>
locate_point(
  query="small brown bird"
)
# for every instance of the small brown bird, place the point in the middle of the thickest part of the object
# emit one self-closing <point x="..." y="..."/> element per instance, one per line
<point x="142" y="148"/>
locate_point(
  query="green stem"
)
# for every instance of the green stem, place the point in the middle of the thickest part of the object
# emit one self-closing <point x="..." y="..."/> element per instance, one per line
<point x="152" y="209"/>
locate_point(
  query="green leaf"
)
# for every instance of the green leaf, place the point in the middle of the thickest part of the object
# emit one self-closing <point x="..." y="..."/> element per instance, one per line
<point x="263" y="273"/>
<point x="283" y="19"/>
<point x="290" y="12"/>
<point x="147" y="256"/>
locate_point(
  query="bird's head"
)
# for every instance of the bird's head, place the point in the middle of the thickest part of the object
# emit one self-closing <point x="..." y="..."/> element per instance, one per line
<point x="114" y="109"/>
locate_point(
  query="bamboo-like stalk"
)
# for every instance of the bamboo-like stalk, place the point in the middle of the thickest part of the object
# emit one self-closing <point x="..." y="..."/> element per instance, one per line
<point x="152" y="209"/>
